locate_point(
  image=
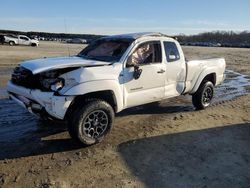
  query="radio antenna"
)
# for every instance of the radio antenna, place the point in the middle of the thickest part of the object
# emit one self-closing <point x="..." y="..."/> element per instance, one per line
<point x="65" y="27"/>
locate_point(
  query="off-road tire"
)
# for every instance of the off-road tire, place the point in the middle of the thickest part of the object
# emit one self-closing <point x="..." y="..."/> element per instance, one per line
<point x="79" y="117"/>
<point x="203" y="96"/>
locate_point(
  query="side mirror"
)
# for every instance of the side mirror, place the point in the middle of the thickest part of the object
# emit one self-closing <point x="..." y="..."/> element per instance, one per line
<point x="137" y="72"/>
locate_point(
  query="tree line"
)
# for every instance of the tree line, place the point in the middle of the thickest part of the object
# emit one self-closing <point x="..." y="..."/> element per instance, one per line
<point x="225" y="38"/>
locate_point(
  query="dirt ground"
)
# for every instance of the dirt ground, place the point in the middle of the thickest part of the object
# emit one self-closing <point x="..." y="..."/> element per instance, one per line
<point x="158" y="145"/>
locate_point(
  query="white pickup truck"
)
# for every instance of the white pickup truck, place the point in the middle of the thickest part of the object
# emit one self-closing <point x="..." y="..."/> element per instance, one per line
<point x="20" y="40"/>
<point x="111" y="74"/>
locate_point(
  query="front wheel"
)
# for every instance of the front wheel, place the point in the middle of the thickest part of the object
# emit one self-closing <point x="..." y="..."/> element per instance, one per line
<point x="90" y="123"/>
<point x="34" y="45"/>
<point x="11" y="43"/>
<point x="203" y="96"/>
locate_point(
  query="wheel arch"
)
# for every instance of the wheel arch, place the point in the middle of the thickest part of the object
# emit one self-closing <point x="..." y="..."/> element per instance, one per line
<point x="106" y="95"/>
<point x="205" y="76"/>
<point x="12" y="41"/>
<point x="95" y="87"/>
<point x="210" y="77"/>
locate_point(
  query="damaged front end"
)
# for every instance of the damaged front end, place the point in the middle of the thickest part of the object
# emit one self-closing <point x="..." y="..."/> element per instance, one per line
<point x="40" y="85"/>
<point x="45" y="81"/>
<point x="39" y="93"/>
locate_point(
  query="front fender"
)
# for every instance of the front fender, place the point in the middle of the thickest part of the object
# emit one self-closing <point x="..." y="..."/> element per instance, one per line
<point x="99" y="85"/>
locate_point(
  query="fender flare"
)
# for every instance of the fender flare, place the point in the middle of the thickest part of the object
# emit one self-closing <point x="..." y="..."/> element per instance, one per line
<point x="12" y="41"/>
<point x="207" y="71"/>
<point x="99" y="85"/>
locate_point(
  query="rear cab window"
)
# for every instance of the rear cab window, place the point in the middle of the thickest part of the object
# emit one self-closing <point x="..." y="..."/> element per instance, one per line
<point x="171" y="51"/>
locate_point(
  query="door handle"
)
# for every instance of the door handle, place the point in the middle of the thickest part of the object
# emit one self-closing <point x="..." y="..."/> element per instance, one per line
<point x="161" y="71"/>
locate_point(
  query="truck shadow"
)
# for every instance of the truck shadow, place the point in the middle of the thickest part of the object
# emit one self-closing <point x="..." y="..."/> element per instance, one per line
<point x="181" y="104"/>
<point x="47" y="139"/>
<point x="22" y="135"/>
<point x="216" y="157"/>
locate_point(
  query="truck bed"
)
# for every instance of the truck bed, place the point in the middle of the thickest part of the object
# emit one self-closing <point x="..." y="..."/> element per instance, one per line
<point x="196" y="69"/>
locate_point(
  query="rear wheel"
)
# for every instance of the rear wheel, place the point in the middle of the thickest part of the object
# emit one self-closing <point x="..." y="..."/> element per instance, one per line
<point x="90" y="123"/>
<point x="202" y="98"/>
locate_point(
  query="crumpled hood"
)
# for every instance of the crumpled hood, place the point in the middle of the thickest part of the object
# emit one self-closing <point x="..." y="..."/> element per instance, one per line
<point x="46" y="64"/>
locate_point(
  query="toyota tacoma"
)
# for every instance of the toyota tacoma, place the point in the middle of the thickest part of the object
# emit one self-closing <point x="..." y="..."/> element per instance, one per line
<point x="109" y="75"/>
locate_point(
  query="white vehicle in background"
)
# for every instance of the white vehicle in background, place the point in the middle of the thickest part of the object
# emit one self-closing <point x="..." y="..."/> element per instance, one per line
<point x="20" y="40"/>
<point x="111" y="74"/>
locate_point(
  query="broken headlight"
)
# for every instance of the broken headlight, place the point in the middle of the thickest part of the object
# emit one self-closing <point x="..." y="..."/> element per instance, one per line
<point x="54" y="80"/>
<point x="54" y="84"/>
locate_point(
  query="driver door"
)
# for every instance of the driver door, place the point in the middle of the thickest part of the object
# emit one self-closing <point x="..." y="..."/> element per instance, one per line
<point x="24" y="40"/>
<point x="149" y="87"/>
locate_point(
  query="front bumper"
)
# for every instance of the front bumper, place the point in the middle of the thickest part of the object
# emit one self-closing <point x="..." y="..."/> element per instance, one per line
<point x="37" y="101"/>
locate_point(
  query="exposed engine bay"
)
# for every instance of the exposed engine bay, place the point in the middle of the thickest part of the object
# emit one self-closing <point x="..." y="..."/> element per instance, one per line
<point x="45" y="81"/>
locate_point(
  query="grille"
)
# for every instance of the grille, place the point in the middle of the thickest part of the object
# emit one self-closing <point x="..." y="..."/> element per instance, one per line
<point x="24" y="77"/>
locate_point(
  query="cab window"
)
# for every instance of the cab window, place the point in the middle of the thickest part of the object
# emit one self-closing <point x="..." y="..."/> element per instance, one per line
<point x="146" y="53"/>
<point x="24" y="38"/>
<point x="171" y="51"/>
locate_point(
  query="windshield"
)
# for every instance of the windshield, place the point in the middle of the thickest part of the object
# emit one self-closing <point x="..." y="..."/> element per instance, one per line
<point x="108" y="50"/>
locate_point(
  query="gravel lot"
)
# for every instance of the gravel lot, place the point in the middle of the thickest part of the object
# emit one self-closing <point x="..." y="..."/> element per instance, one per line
<point x="159" y="145"/>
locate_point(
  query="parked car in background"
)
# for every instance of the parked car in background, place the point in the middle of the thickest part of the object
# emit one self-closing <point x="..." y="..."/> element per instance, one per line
<point x="41" y="38"/>
<point x="77" y="41"/>
<point x="20" y="40"/>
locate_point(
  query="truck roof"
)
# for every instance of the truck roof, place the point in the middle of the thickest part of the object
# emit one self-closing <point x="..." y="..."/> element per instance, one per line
<point x="135" y="36"/>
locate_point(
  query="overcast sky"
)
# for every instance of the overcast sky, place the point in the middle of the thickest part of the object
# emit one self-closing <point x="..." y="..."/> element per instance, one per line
<point x="125" y="16"/>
